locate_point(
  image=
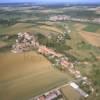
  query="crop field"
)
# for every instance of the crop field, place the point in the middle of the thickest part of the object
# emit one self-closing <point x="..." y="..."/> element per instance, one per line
<point x="75" y="39"/>
<point x="51" y="28"/>
<point x="91" y="37"/>
<point x="23" y="27"/>
<point x="81" y="48"/>
<point x="28" y="74"/>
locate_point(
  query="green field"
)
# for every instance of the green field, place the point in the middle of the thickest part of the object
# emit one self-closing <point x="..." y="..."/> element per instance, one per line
<point x="92" y="28"/>
<point x="29" y="27"/>
<point x="28" y="74"/>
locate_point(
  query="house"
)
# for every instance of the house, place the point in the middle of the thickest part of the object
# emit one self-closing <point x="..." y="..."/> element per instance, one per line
<point x="64" y="63"/>
<point x="51" y="95"/>
<point x="47" y="51"/>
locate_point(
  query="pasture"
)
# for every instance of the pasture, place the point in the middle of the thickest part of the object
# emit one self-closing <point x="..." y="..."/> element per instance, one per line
<point x="27" y="74"/>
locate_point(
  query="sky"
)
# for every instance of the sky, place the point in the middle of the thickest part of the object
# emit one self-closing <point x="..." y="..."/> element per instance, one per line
<point x="52" y="1"/>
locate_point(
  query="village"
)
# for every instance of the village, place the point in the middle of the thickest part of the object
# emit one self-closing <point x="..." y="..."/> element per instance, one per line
<point x="27" y="41"/>
<point x="67" y="17"/>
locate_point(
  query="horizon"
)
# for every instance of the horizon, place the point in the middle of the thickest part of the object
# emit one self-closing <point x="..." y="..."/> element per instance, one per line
<point x="50" y="1"/>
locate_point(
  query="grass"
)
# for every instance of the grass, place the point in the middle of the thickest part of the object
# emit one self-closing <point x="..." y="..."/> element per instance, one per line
<point x="92" y="28"/>
<point x="28" y="74"/>
<point x="23" y="27"/>
<point x="85" y="46"/>
<point x="19" y="27"/>
<point x="55" y="29"/>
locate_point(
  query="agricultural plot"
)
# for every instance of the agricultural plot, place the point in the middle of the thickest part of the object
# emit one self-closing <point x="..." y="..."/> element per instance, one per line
<point x="29" y="27"/>
<point x="28" y="74"/>
<point x="2" y="44"/>
<point x="92" y="28"/>
<point x="52" y="29"/>
<point x="19" y="27"/>
<point x="91" y="37"/>
<point x="71" y="94"/>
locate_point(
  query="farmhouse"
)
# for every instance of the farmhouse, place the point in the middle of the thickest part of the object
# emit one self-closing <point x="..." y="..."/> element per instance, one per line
<point x="65" y="63"/>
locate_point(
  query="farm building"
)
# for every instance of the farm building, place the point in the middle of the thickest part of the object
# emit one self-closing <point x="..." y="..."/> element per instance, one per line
<point x="76" y="87"/>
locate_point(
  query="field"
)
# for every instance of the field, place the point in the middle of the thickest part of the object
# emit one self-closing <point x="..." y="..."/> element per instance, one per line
<point x="92" y="28"/>
<point x="14" y="29"/>
<point x="29" y="27"/>
<point x="28" y="74"/>
<point x="89" y="33"/>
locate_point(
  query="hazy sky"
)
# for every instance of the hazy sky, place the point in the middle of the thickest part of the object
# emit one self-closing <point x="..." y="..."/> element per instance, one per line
<point x="52" y="1"/>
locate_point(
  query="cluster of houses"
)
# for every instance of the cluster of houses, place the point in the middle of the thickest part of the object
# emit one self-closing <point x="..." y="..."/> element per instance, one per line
<point x="60" y="60"/>
<point x="25" y="42"/>
<point x="59" y="17"/>
<point x="66" y="17"/>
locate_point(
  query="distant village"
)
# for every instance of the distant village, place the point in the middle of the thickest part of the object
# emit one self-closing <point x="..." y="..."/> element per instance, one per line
<point x="66" y="17"/>
<point x="27" y="41"/>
